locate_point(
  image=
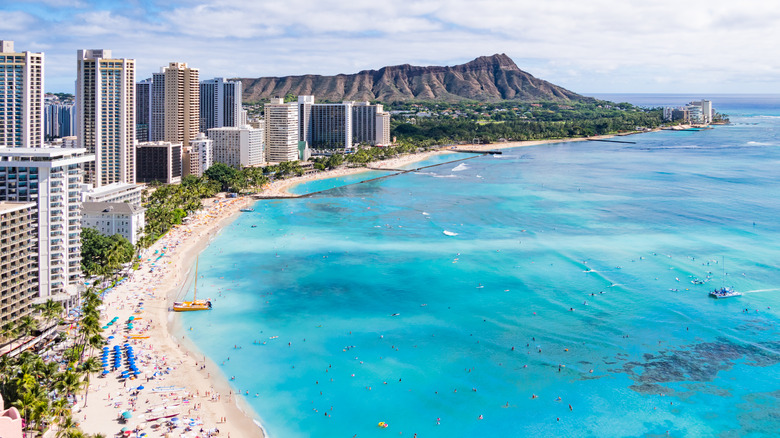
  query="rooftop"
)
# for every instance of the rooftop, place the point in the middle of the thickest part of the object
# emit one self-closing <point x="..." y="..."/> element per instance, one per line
<point x="8" y="206"/>
<point x="109" y="207"/>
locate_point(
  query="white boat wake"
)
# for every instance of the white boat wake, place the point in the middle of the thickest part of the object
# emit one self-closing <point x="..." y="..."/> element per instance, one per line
<point x="450" y="233"/>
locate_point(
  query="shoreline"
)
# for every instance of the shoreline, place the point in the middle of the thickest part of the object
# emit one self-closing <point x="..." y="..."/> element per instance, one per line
<point x="192" y="370"/>
<point x="186" y="388"/>
<point x="280" y="189"/>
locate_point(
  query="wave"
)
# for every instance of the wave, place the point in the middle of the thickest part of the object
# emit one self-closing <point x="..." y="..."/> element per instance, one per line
<point x="449" y="233"/>
<point x="766" y="117"/>
<point x="758" y="143"/>
<point x="459" y="167"/>
<point x="444" y="176"/>
<point x="425" y="213"/>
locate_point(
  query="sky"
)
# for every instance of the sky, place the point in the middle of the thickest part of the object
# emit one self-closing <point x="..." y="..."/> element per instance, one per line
<point x="587" y="46"/>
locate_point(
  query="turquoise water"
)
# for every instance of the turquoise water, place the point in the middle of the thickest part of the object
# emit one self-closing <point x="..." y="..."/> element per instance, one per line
<point x="568" y="273"/>
<point x="325" y="184"/>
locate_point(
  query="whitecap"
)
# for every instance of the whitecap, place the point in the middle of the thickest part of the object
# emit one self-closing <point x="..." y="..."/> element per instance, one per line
<point x="449" y="233"/>
<point x="758" y="143"/>
<point x="459" y="167"/>
<point x="425" y="213"/>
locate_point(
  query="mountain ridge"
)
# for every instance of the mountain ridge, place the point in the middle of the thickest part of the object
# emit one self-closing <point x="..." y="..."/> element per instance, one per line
<point x="486" y="78"/>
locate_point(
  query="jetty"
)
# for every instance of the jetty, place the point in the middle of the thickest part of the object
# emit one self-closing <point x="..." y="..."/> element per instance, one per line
<point x="610" y="141"/>
<point x="474" y="151"/>
<point x="396" y="172"/>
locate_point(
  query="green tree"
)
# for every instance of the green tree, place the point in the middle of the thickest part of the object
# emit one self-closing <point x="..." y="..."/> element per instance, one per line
<point x="221" y="173"/>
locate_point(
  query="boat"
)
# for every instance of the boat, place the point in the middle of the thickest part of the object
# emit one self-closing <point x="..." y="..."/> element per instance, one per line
<point x="247" y="210"/>
<point x="725" y="292"/>
<point x="195" y="304"/>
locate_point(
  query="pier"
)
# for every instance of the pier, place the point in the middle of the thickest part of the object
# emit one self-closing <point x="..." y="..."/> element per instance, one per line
<point x="397" y="172"/>
<point x="610" y="141"/>
<point x="472" y="151"/>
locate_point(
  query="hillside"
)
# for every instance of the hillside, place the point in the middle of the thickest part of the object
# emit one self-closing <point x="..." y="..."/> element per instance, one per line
<point x="485" y="79"/>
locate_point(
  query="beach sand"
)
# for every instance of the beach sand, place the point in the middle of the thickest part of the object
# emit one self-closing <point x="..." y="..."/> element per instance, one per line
<point x="199" y="390"/>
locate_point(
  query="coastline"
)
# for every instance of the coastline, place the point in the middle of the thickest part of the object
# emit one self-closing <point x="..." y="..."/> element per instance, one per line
<point x="167" y="343"/>
<point x="280" y="189"/>
<point x="198" y="391"/>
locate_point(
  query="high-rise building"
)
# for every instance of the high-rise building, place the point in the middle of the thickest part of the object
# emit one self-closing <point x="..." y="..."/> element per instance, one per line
<point x="157" y="108"/>
<point x="238" y="147"/>
<point x="706" y="111"/>
<point x="18" y="260"/>
<point x="52" y="179"/>
<point x="21" y="97"/>
<point x="182" y="103"/>
<point x="143" y="109"/>
<point x="158" y="161"/>
<point x="331" y="126"/>
<point x="59" y="120"/>
<point x="220" y="104"/>
<point x="382" y="129"/>
<point x="201" y="154"/>
<point x="281" y="131"/>
<point x="364" y="122"/>
<point x="370" y="124"/>
<point x="105" y="96"/>
<point x="304" y="118"/>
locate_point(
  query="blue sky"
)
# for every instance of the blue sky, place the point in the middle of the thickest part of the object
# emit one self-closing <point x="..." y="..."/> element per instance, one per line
<point x="588" y="46"/>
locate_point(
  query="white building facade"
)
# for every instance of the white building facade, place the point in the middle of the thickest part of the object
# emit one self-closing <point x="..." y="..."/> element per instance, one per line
<point x="201" y="154"/>
<point x="105" y="98"/>
<point x="51" y="178"/>
<point x="21" y="97"/>
<point x="238" y="147"/>
<point x="281" y="131"/>
<point x="111" y="218"/>
<point x="117" y="192"/>
<point x="220" y="104"/>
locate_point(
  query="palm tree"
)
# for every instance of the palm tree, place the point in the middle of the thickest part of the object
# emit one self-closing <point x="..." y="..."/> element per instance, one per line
<point x="66" y="427"/>
<point x="69" y="383"/>
<point x="28" y="324"/>
<point x="91" y="365"/>
<point x="60" y="408"/>
<point x="11" y="331"/>
<point x="50" y="310"/>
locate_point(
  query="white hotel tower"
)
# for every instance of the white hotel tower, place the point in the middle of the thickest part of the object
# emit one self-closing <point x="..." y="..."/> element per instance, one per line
<point x="51" y="178"/>
<point x="21" y="97"/>
<point x="105" y="98"/>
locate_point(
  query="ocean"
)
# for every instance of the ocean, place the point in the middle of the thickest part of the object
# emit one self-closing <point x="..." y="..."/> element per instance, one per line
<point x="547" y="291"/>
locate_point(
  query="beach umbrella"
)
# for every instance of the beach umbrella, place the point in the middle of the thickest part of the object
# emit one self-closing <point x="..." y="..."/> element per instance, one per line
<point x="111" y="337"/>
<point x="124" y="429"/>
<point x="141" y="387"/>
<point x="105" y="327"/>
<point x="105" y="372"/>
<point x="127" y="414"/>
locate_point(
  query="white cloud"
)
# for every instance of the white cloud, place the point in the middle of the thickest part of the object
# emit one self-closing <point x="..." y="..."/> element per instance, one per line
<point x="594" y="45"/>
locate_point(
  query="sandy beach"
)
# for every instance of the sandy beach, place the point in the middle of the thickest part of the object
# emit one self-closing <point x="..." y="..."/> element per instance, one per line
<point x="178" y="382"/>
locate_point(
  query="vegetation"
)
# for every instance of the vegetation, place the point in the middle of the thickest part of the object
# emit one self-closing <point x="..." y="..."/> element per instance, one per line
<point x="168" y="204"/>
<point x="439" y="123"/>
<point x="101" y="254"/>
<point x="44" y="392"/>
